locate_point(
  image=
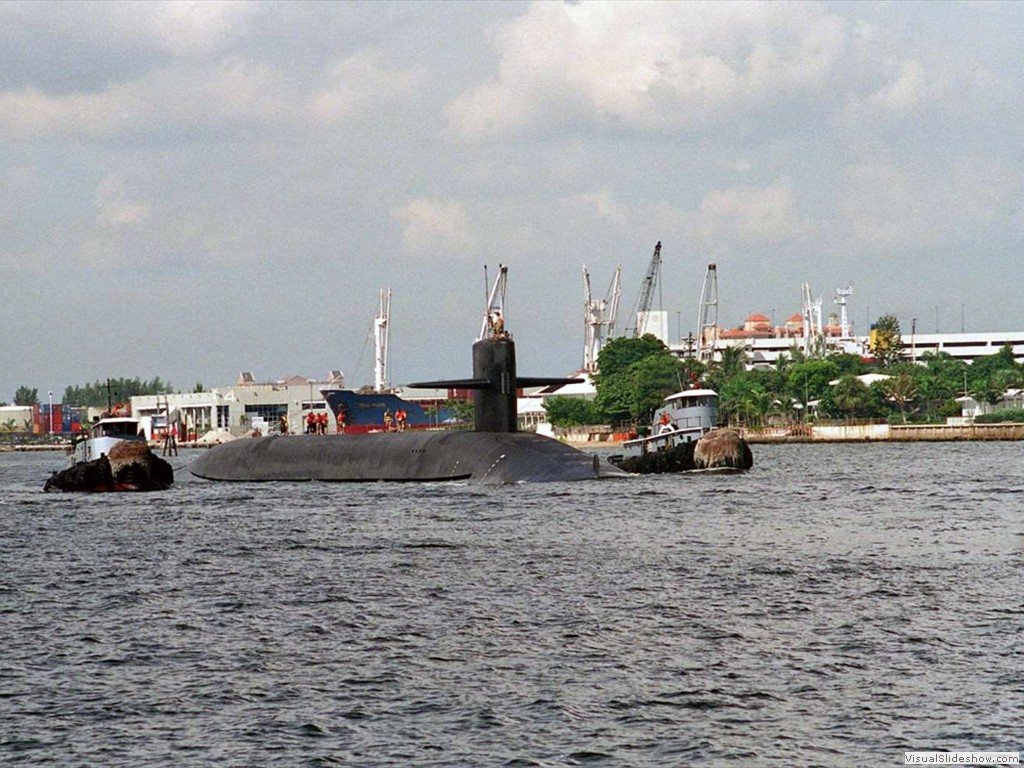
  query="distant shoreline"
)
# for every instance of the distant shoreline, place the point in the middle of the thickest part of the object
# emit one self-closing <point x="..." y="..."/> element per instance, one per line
<point x="887" y="433"/>
<point x="801" y="433"/>
<point x="840" y="433"/>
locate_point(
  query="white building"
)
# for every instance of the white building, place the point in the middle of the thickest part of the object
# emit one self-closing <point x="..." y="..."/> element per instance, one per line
<point x="530" y="407"/>
<point x="764" y="352"/>
<point x="237" y="409"/>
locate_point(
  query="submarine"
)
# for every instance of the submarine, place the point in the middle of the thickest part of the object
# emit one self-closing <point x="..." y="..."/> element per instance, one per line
<point x="495" y="452"/>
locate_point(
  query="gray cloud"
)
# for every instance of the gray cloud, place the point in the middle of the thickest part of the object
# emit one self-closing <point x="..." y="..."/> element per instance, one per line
<point x="244" y="177"/>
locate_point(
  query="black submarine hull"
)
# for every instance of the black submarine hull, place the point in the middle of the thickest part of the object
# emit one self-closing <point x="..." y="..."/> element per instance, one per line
<point x="494" y="458"/>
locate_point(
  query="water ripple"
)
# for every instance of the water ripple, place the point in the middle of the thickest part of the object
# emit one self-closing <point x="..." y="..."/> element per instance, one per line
<point x="837" y="604"/>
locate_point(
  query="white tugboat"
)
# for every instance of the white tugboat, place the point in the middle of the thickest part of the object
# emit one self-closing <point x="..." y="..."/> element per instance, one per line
<point x="104" y="435"/>
<point x="683" y="417"/>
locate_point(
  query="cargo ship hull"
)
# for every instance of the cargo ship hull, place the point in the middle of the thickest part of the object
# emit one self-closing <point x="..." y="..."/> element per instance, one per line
<point x="364" y="411"/>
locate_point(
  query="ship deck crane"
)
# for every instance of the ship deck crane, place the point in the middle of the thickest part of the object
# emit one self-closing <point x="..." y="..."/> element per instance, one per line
<point x="380" y="342"/>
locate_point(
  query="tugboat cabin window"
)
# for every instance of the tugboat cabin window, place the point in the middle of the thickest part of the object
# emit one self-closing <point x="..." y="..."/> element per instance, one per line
<point x="117" y="429"/>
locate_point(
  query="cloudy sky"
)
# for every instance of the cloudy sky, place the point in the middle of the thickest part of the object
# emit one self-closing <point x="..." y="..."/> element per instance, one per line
<point x="191" y="189"/>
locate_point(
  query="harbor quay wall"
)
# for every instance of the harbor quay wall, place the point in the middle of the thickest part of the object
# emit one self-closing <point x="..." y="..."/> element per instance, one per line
<point x="851" y="433"/>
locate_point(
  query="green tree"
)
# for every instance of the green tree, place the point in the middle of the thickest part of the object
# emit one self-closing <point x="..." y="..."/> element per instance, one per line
<point x="26" y="396"/>
<point x="998" y="370"/>
<point x="731" y="363"/>
<point x="618" y="354"/>
<point x="655" y="377"/>
<point x="120" y="390"/>
<point x="902" y="390"/>
<point x="851" y="398"/>
<point x="944" y="380"/>
<point x="573" y="411"/>
<point x="847" y="363"/>
<point x="809" y="380"/>
<point x="886" y="343"/>
<point x="744" y="398"/>
<point x="461" y="409"/>
<point x="634" y="377"/>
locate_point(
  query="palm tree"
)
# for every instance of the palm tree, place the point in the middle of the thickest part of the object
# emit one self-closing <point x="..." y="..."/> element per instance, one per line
<point x="903" y="391"/>
<point x="731" y="364"/>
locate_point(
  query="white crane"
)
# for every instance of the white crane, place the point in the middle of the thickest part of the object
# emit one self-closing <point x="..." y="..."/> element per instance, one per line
<point x="707" y="322"/>
<point x="599" y="317"/>
<point x="810" y="311"/>
<point x="380" y="341"/>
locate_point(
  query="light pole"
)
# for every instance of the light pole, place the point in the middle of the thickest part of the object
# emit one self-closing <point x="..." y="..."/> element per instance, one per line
<point x="49" y="427"/>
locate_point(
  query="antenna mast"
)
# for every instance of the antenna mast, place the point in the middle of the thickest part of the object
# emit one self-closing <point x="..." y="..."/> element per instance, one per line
<point x="844" y="321"/>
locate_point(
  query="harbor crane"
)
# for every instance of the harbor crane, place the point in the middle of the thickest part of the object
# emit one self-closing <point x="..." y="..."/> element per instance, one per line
<point x="599" y="317"/>
<point x="813" y="329"/>
<point x="707" y="322"/>
<point x="643" y="306"/>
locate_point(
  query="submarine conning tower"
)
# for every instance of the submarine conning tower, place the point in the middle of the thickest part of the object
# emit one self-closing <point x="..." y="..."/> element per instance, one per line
<point x="494" y="407"/>
<point x="494" y="381"/>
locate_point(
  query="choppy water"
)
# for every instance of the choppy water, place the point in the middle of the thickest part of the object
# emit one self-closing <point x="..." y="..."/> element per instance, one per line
<point x="836" y="606"/>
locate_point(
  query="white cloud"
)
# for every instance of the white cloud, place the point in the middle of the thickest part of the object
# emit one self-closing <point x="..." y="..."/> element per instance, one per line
<point x="749" y="214"/>
<point x="906" y="90"/>
<point x="114" y="209"/>
<point x="19" y="185"/>
<point x="183" y="27"/>
<point x="228" y="93"/>
<point x="362" y="84"/>
<point x="600" y="210"/>
<point x="738" y="164"/>
<point x="232" y="92"/>
<point x="651" y="65"/>
<point x="905" y="86"/>
<point x="436" y="228"/>
<point x="725" y="220"/>
<point x="890" y="207"/>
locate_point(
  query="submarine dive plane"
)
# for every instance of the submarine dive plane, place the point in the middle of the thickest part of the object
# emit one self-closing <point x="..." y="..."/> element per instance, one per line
<point x="495" y="452"/>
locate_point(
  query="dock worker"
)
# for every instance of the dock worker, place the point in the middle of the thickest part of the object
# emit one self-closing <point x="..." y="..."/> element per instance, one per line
<point x="341" y="421"/>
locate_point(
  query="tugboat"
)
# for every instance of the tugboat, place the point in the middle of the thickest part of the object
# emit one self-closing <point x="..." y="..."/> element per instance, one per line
<point x="104" y="435"/>
<point x="113" y="456"/>
<point x="684" y="437"/>
<point x="683" y="417"/>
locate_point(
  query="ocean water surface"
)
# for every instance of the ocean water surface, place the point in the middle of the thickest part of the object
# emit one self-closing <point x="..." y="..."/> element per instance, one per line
<point x="837" y="605"/>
